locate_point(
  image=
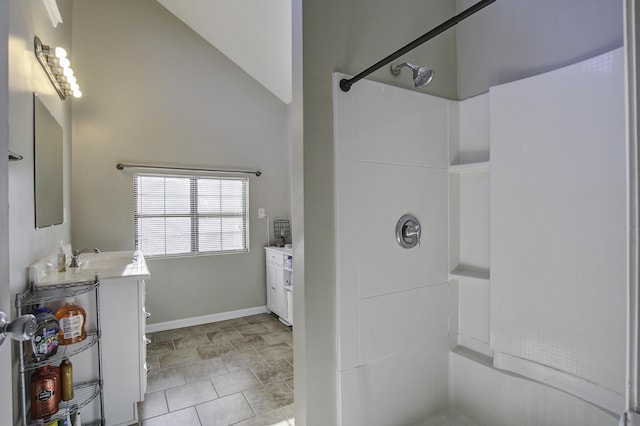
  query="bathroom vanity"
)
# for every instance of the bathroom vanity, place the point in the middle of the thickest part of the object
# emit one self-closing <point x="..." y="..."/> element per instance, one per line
<point x="121" y="308"/>
<point x="279" y="264"/>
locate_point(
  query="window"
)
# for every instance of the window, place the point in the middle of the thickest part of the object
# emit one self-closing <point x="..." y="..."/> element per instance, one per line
<point x="188" y="215"/>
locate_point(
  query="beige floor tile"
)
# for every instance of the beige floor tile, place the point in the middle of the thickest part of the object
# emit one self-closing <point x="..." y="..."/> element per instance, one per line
<point x="221" y="373"/>
<point x="155" y="347"/>
<point x="251" y="342"/>
<point x="241" y="360"/>
<point x="276" y="326"/>
<point x="224" y="336"/>
<point x="190" y="394"/>
<point x="289" y="382"/>
<point x="153" y="364"/>
<point x="231" y="323"/>
<point x="272" y="371"/>
<point x="274" y="352"/>
<point x="235" y="382"/>
<point x="154" y="404"/>
<point x="215" y="350"/>
<point x="225" y="411"/>
<point x="164" y="379"/>
<point x="206" y="369"/>
<point x="289" y="412"/>
<point x="277" y="337"/>
<point x="191" y="341"/>
<point x="186" y="417"/>
<point x="178" y="357"/>
<point x="258" y="318"/>
<point x="269" y="397"/>
<point x="205" y="328"/>
<point x="271" y="418"/>
<point x="251" y="329"/>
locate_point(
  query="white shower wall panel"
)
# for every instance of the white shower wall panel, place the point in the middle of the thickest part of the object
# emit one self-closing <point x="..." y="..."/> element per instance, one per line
<point x="558" y="222"/>
<point x="390" y="160"/>
<point x="419" y="315"/>
<point x="385" y="193"/>
<point x="407" y="388"/>
<point x="412" y="136"/>
<point x="491" y="397"/>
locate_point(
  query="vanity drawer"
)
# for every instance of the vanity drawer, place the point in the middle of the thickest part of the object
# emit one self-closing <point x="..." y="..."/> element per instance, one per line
<point x="273" y="257"/>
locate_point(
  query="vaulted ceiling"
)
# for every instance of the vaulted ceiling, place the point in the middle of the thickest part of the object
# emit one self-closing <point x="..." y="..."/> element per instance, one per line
<point x="255" y="34"/>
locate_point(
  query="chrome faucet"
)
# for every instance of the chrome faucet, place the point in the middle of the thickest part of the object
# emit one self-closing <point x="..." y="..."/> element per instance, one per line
<point x="75" y="259"/>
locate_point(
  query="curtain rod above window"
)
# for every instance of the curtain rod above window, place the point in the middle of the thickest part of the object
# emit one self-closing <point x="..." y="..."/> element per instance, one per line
<point x="121" y="166"/>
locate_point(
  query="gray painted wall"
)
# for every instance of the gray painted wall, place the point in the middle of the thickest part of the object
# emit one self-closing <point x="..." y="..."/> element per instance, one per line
<point x="349" y="36"/>
<point x="6" y="404"/>
<point x="157" y="93"/>
<point x="25" y="76"/>
<point x="515" y="39"/>
<point x="29" y="18"/>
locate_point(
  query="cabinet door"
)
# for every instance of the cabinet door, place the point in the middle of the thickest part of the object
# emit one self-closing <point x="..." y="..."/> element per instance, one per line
<point x="274" y="288"/>
<point x="121" y="345"/>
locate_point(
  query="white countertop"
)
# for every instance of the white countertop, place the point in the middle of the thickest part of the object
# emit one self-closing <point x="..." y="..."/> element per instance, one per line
<point x="107" y="265"/>
<point x="283" y="250"/>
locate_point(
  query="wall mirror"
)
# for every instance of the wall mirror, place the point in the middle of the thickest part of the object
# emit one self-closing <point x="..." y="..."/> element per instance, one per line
<point x="48" y="178"/>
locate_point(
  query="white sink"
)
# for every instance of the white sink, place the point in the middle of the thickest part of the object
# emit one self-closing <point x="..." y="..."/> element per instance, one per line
<point x="115" y="264"/>
<point x="100" y="261"/>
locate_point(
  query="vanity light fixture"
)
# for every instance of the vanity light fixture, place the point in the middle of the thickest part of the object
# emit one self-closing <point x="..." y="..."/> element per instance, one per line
<point x="58" y="68"/>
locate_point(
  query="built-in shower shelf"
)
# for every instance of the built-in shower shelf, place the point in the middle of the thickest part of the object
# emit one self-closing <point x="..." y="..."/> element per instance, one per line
<point x="469" y="167"/>
<point x="463" y="271"/>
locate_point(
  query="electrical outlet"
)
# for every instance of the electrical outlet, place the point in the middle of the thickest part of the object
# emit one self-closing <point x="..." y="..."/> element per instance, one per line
<point x="261" y="213"/>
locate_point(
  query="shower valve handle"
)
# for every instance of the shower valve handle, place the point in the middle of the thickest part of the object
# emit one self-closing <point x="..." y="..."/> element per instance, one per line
<point x="408" y="231"/>
<point x="413" y="231"/>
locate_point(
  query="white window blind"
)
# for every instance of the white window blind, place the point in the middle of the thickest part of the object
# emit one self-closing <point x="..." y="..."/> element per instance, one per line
<point x="188" y="215"/>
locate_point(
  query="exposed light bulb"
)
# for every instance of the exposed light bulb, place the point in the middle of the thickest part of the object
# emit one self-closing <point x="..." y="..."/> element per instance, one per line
<point x="77" y="94"/>
<point x="74" y="86"/>
<point x="64" y="62"/>
<point x="67" y="72"/>
<point x="60" y="52"/>
<point x="71" y="79"/>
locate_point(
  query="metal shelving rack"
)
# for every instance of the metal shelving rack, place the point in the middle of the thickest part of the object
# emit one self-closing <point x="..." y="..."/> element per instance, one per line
<point x="85" y="392"/>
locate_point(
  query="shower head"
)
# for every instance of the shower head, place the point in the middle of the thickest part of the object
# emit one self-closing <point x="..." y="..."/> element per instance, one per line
<point x="421" y="75"/>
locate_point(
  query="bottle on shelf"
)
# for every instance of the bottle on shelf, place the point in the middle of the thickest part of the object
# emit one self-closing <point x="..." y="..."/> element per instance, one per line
<point x="66" y="381"/>
<point x="66" y="421"/>
<point x="44" y="396"/>
<point x="46" y="339"/>
<point x="62" y="258"/>
<point x="72" y="319"/>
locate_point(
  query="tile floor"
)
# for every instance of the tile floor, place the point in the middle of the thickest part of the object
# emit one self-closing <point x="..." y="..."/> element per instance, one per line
<point x="235" y="372"/>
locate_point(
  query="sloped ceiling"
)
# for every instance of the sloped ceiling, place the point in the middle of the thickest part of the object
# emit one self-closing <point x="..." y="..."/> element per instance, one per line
<point x="255" y="34"/>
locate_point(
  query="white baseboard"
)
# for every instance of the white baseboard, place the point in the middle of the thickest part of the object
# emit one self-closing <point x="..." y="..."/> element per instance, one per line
<point x="205" y="319"/>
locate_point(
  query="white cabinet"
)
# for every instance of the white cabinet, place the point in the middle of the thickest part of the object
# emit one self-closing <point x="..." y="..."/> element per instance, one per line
<point x="124" y="348"/>
<point x="122" y="324"/>
<point x="279" y="282"/>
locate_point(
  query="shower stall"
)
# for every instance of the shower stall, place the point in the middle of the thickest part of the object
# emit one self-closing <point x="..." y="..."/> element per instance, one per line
<point x="512" y="309"/>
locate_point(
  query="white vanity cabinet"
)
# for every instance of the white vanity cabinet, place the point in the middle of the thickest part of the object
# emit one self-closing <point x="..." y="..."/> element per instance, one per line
<point x="122" y="316"/>
<point x="279" y="263"/>
<point x="124" y="348"/>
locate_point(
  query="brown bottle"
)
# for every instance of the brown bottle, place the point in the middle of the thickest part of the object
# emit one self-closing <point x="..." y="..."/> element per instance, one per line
<point x="66" y="380"/>
<point x="44" y="397"/>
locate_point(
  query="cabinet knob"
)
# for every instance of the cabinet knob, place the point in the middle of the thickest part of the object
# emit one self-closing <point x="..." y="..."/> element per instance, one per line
<point x="147" y="340"/>
<point x="147" y="314"/>
<point x="146" y="367"/>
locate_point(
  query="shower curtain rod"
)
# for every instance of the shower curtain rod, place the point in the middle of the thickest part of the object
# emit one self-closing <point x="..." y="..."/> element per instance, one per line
<point x="121" y="166"/>
<point x="345" y="84"/>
